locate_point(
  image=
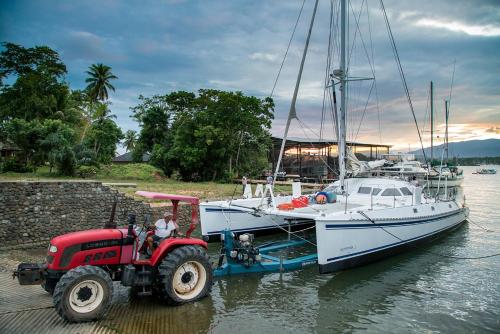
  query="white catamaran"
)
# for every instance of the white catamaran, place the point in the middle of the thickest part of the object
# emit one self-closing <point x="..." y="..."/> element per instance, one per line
<point x="365" y="219"/>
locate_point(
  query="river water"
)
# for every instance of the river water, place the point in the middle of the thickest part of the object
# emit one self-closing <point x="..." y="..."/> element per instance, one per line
<point x="419" y="291"/>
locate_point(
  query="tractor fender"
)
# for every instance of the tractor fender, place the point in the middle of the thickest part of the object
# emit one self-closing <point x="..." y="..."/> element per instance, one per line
<point x="169" y="244"/>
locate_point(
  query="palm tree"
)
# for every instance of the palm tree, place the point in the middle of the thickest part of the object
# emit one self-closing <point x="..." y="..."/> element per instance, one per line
<point x="102" y="112"/>
<point x="99" y="81"/>
<point x="129" y="140"/>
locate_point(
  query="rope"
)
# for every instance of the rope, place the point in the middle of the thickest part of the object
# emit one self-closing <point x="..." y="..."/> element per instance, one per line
<point x="373" y="222"/>
<point x="484" y="228"/>
<point x="437" y="254"/>
<point x="465" y="258"/>
<point x="287" y="48"/>
<point x="294" y="233"/>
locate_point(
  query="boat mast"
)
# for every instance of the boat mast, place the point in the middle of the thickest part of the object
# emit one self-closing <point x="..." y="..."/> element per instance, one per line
<point x="432" y="124"/>
<point x="342" y="76"/>
<point x="292" y="113"/>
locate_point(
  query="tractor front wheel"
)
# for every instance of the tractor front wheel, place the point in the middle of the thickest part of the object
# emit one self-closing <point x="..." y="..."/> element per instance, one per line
<point x="185" y="275"/>
<point x="83" y="294"/>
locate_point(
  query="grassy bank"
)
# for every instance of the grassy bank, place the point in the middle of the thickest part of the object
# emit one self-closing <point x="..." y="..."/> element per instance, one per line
<point x="146" y="177"/>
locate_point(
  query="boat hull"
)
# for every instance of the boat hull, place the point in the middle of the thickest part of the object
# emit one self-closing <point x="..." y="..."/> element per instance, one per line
<point x="450" y="183"/>
<point x="357" y="241"/>
<point x="217" y="217"/>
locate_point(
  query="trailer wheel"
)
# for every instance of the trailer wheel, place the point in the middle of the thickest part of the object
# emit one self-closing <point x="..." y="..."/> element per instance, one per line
<point x="83" y="294"/>
<point x="185" y="275"/>
<point x="49" y="285"/>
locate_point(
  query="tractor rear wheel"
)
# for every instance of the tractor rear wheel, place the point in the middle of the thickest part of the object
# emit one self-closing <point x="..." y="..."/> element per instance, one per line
<point x="83" y="294"/>
<point x="185" y="275"/>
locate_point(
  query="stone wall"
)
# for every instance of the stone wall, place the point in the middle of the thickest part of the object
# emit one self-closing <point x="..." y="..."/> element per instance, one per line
<point x="33" y="212"/>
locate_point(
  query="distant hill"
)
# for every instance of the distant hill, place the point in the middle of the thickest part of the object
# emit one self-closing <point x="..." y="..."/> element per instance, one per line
<point x="467" y="149"/>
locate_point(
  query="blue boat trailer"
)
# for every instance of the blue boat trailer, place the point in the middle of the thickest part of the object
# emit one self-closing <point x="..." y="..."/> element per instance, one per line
<point x="241" y="257"/>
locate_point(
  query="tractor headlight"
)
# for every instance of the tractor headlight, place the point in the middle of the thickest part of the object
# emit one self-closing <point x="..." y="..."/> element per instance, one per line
<point x="52" y="249"/>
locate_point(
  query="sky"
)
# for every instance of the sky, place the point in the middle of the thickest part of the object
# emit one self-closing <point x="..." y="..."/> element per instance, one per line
<point x="156" y="47"/>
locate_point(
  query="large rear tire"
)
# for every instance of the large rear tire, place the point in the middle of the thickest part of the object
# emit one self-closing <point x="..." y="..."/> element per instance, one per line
<point x="185" y="275"/>
<point x="83" y="294"/>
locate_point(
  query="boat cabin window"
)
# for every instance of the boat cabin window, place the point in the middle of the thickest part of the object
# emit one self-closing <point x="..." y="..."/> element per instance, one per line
<point x="408" y="169"/>
<point x="376" y="191"/>
<point x="406" y="191"/>
<point x="364" y="190"/>
<point x="391" y="192"/>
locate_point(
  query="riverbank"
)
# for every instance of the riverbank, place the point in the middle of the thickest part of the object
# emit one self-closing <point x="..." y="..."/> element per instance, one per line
<point x="132" y="177"/>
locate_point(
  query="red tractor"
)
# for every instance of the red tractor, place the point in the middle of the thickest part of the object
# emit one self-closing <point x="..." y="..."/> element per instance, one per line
<point x="81" y="266"/>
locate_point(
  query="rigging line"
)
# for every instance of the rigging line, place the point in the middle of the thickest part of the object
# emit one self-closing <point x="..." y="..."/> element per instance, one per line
<point x="452" y="80"/>
<point x="287" y="48"/>
<point x="374" y="76"/>
<point x="451" y="86"/>
<point x="364" y="111"/>
<point x="426" y="111"/>
<point x="401" y="74"/>
<point x="361" y="35"/>
<point x="327" y="70"/>
<point x="369" y="60"/>
<point x="332" y="111"/>
<point x="304" y="126"/>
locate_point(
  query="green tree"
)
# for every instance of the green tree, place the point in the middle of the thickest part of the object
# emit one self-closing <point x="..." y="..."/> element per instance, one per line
<point x="17" y="60"/>
<point x="211" y="136"/>
<point x="129" y="140"/>
<point x="102" y="112"/>
<point x="27" y="136"/>
<point x="102" y="138"/>
<point x="99" y="81"/>
<point x="49" y="140"/>
<point x="38" y="91"/>
<point x="56" y="143"/>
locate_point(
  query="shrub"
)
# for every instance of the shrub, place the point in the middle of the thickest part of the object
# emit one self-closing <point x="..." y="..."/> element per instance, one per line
<point x="86" y="171"/>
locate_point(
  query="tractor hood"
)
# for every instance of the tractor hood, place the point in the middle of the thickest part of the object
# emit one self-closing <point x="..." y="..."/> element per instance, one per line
<point x="63" y="248"/>
<point x="89" y="236"/>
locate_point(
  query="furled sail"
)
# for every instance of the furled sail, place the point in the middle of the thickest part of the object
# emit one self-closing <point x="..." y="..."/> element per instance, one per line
<point x="356" y="167"/>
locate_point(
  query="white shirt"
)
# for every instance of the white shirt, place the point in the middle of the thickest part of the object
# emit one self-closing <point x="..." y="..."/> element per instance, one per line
<point x="163" y="229"/>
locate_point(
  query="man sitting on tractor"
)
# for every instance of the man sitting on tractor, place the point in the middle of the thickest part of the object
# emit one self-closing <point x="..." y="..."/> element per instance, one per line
<point x="164" y="228"/>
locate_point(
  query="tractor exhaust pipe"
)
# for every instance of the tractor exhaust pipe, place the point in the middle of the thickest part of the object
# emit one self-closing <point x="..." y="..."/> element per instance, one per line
<point x="111" y="223"/>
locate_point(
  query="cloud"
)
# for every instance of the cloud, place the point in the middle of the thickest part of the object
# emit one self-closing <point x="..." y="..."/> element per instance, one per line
<point x="263" y="56"/>
<point x="87" y="46"/>
<point x="488" y="30"/>
<point x="156" y="47"/>
<point x="494" y="129"/>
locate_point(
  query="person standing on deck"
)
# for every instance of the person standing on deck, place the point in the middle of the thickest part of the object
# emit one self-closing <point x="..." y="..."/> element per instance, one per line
<point x="244" y="182"/>
<point x="269" y="179"/>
